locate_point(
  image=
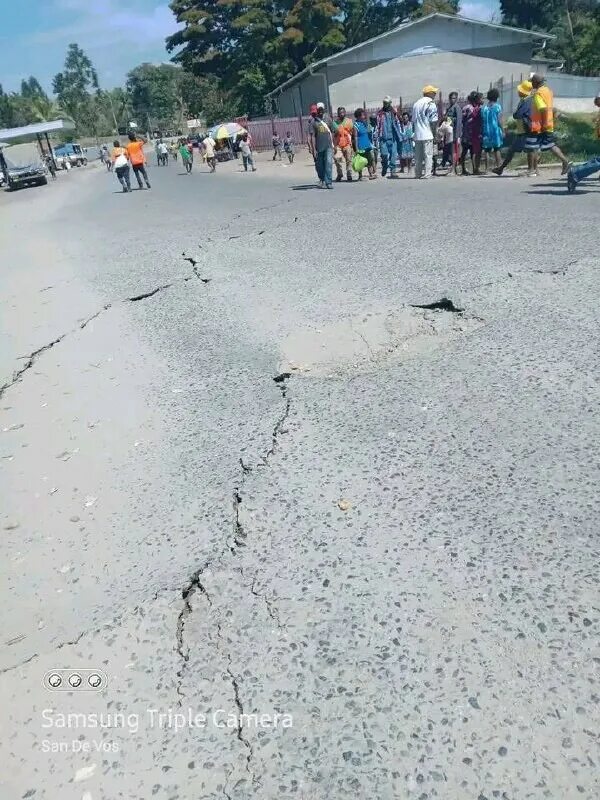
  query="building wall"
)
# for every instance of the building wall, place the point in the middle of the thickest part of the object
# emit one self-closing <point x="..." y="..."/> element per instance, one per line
<point x="405" y="77"/>
<point x="299" y="97"/>
<point x="439" y="33"/>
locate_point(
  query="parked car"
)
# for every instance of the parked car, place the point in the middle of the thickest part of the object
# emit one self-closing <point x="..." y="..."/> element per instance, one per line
<point x="73" y="153"/>
<point x="26" y="175"/>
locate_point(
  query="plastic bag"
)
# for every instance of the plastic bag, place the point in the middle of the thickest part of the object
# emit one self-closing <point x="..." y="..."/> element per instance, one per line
<point x="359" y="163"/>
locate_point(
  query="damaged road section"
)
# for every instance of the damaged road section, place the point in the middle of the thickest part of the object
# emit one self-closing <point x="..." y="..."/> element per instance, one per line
<point x="365" y="342"/>
<point x="32" y="358"/>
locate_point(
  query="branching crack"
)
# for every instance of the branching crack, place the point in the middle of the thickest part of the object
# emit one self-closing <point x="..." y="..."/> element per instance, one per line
<point x="271" y="610"/>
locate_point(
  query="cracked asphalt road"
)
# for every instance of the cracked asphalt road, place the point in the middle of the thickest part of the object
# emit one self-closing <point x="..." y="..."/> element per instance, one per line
<point x="247" y="471"/>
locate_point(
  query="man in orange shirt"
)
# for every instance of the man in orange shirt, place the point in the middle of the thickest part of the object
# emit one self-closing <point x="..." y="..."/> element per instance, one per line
<point x="543" y="116"/>
<point x="135" y="151"/>
<point x="343" y="131"/>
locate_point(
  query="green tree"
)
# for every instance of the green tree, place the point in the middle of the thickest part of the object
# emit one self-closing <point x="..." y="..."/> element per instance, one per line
<point x="437" y="7"/>
<point x="40" y="107"/>
<point x="76" y="88"/>
<point x="575" y="23"/>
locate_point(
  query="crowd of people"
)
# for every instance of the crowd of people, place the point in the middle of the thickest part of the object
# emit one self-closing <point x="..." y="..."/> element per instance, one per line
<point x="432" y="137"/>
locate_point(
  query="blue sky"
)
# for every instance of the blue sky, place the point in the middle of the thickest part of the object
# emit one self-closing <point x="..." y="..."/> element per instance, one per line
<point x="116" y="34"/>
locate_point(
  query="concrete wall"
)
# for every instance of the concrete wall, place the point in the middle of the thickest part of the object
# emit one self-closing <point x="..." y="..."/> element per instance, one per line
<point x="405" y="77"/>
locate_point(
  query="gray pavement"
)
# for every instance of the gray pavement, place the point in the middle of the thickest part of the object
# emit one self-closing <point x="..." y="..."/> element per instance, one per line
<point x="374" y="577"/>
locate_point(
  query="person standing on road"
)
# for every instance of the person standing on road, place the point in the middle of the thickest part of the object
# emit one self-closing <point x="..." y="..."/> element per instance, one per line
<point x="186" y="156"/>
<point x="246" y="152"/>
<point x="320" y="145"/>
<point x="390" y="137"/>
<point x="445" y="135"/>
<point x="471" y="133"/>
<point x="491" y="118"/>
<point x="163" y="152"/>
<point x="425" y="120"/>
<point x="120" y="162"/>
<point x="276" y="147"/>
<point x="289" y="147"/>
<point x="453" y="111"/>
<point x="209" y="145"/>
<point x="407" y="145"/>
<point x="135" y="152"/>
<point x="343" y="128"/>
<point x="543" y="116"/>
<point x="522" y="115"/>
<point x="374" y="138"/>
<point x="363" y="143"/>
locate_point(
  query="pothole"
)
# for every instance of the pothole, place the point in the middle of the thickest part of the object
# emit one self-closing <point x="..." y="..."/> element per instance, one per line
<point x="364" y="341"/>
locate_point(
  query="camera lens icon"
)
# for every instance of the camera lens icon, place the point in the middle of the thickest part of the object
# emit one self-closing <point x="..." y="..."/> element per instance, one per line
<point x="75" y="679"/>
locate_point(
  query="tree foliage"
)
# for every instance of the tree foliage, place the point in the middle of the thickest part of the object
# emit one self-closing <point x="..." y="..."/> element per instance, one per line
<point x="252" y="45"/>
<point x="574" y="23"/>
<point x="76" y="88"/>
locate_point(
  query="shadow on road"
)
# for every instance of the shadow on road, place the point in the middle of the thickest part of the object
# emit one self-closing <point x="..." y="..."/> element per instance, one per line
<point x="304" y="187"/>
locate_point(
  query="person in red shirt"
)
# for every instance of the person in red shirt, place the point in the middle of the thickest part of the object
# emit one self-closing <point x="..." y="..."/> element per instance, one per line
<point x="135" y="152"/>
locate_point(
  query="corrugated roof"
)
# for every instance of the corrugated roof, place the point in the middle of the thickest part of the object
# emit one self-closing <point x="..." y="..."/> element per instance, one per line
<point x="454" y="17"/>
<point x="38" y="127"/>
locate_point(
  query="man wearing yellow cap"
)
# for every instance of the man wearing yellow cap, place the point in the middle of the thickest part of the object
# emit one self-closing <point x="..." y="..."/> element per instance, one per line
<point x="523" y="115"/>
<point x="425" y="120"/>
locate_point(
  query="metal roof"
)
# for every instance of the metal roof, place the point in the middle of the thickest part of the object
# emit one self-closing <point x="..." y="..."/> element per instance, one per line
<point x="38" y="127"/>
<point x="454" y="17"/>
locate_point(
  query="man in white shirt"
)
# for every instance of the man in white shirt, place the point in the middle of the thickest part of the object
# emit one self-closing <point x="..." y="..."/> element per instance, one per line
<point x="424" y="120"/>
<point x="209" y="145"/>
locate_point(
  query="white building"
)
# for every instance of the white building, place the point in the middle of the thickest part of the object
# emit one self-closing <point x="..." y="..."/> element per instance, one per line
<point x="451" y="52"/>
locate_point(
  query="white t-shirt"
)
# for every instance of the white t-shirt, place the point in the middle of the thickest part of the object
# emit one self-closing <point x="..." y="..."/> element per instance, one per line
<point x="209" y="146"/>
<point x="423" y="115"/>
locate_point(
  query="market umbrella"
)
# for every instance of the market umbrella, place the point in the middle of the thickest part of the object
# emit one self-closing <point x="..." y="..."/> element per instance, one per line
<point x="229" y="130"/>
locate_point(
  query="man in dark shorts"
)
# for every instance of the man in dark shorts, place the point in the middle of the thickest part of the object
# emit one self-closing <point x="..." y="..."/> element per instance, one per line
<point x="543" y="117"/>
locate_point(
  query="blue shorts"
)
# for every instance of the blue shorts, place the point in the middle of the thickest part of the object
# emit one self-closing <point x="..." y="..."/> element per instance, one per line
<point x="539" y="141"/>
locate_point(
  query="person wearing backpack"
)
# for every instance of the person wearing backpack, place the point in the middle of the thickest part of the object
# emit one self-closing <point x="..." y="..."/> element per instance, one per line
<point x="120" y="162"/>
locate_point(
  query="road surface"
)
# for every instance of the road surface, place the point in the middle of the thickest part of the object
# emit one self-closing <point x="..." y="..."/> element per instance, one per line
<point x="317" y="540"/>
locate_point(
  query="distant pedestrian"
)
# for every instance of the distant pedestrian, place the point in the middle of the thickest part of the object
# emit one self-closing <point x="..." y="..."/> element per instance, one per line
<point x="277" y="147"/>
<point x="425" y="121"/>
<point x="343" y="128"/>
<point x="446" y="141"/>
<point x="407" y="143"/>
<point x="523" y="116"/>
<point x="163" y="152"/>
<point x="320" y="144"/>
<point x="374" y="137"/>
<point x="471" y="133"/>
<point x="120" y="161"/>
<point x="135" y="151"/>
<point x="363" y="142"/>
<point x="491" y="118"/>
<point x="289" y="148"/>
<point x="246" y="152"/>
<point x="185" y="151"/>
<point x="454" y="112"/>
<point x="209" y="147"/>
<point x="543" y="116"/>
<point x="388" y="129"/>
<point x="174" y="150"/>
